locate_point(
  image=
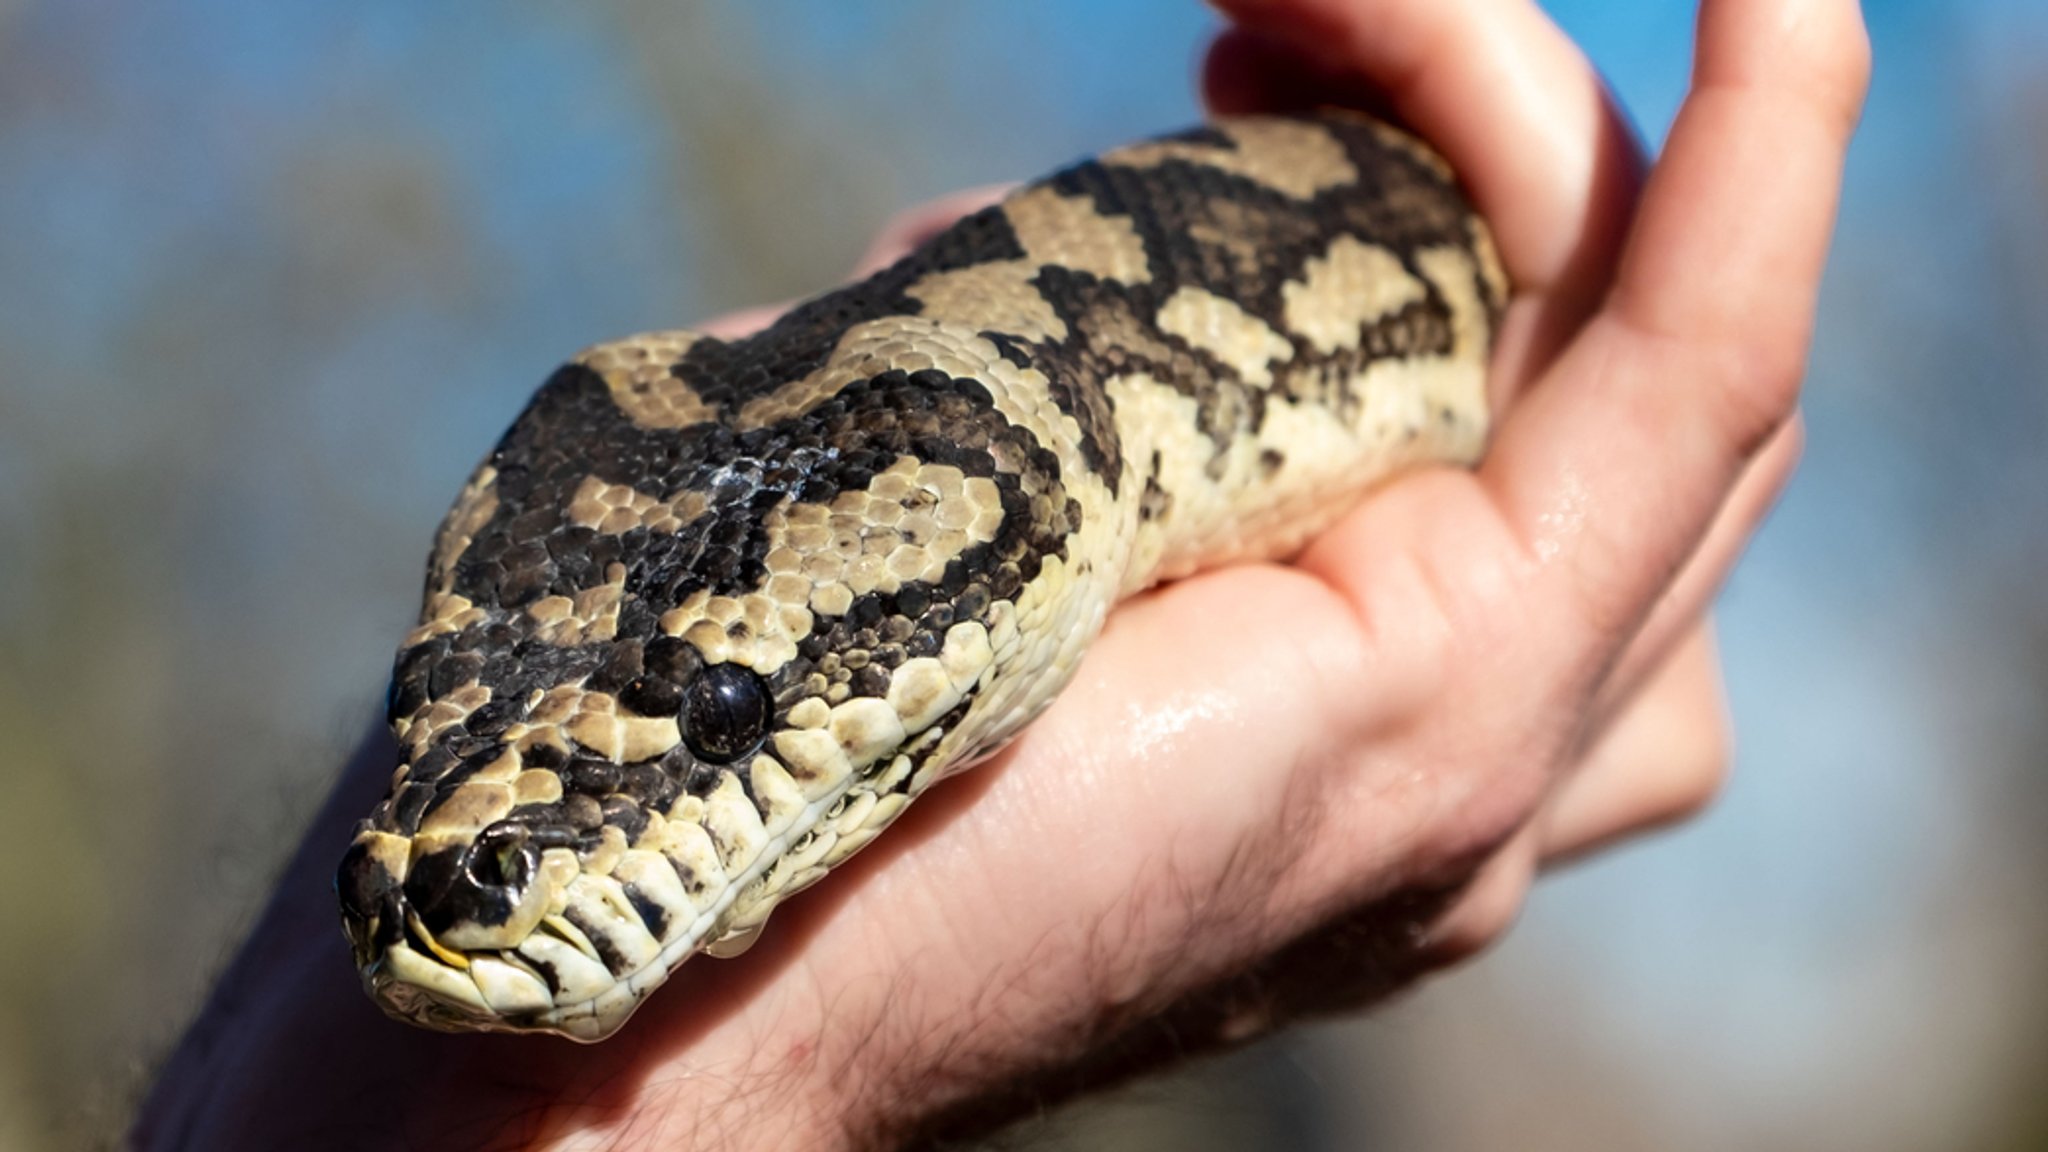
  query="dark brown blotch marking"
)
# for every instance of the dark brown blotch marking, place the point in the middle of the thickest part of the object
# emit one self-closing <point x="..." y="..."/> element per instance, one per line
<point x="607" y="951"/>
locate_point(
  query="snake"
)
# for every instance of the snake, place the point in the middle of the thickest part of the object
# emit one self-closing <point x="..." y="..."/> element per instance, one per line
<point x="714" y="612"/>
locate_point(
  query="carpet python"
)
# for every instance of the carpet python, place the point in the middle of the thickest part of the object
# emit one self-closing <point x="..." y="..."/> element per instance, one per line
<point x="714" y="612"/>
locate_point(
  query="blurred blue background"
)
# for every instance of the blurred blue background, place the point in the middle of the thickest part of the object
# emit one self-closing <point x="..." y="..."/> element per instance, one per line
<point x="272" y="277"/>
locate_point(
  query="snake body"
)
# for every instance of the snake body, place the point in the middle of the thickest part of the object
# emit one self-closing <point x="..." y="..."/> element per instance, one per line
<point x="714" y="612"/>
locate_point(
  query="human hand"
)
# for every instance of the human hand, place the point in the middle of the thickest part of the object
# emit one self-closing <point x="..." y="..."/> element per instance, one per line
<point x="1271" y="790"/>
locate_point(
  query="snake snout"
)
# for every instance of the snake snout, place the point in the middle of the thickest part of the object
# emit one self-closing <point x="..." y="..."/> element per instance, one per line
<point x="486" y="894"/>
<point x="372" y="902"/>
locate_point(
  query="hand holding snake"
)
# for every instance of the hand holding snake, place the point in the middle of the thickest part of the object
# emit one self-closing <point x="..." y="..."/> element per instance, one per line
<point x="1238" y="815"/>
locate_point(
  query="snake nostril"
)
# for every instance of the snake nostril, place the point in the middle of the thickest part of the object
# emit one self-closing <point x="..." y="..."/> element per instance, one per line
<point x="482" y="895"/>
<point x="475" y="886"/>
<point x="504" y="856"/>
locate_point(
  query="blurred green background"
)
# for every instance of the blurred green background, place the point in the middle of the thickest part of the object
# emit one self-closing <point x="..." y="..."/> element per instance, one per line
<point x="273" y="276"/>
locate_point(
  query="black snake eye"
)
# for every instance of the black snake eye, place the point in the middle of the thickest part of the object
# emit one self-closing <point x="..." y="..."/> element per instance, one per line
<point x="725" y="713"/>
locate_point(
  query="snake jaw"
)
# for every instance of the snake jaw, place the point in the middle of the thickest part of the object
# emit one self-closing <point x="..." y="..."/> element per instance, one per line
<point x="603" y="940"/>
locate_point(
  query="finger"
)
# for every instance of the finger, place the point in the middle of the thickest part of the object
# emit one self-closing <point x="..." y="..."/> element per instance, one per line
<point x="1246" y="72"/>
<point x="1492" y="84"/>
<point x="745" y="322"/>
<point x="1661" y="760"/>
<point x="910" y="228"/>
<point x="1679" y="611"/>
<point x="1488" y="905"/>
<point x="1720" y="256"/>
<point x="903" y="233"/>
<point x="1611" y="473"/>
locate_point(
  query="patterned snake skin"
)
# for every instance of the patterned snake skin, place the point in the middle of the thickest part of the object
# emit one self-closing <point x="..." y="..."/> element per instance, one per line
<point x="714" y="612"/>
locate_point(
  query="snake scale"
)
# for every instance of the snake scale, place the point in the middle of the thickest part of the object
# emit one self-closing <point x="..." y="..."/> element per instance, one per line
<point x="713" y="612"/>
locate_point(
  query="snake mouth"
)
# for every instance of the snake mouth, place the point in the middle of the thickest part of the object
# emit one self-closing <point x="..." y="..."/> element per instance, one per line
<point x="578" y="971"/>
<point x="507" y="932"/>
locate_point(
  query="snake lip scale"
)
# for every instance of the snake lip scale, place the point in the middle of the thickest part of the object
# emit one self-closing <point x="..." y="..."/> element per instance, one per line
<point x="714" y="612"/>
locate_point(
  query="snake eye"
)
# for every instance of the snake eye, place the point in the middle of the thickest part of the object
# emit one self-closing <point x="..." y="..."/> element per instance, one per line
<point x="725" y="713"/>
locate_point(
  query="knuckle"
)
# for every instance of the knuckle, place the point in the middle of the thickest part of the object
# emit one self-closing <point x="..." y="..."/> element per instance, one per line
<point x="1484" y="911"/>
<point x="1817" y="52"/>
<point x="1835" y="60"/>
<point x="1758" y="390"/>
<point x="1696" y="774"/>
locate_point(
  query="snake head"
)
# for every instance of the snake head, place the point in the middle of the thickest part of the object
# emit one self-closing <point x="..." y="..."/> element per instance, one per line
<point x="676" y="660"/>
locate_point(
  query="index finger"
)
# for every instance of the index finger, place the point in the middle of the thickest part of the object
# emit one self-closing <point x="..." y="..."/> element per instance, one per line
<point x="1615" y="466"/>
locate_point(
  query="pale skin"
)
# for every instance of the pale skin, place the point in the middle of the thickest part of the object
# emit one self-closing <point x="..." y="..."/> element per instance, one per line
<point x="1236" y="816"/>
